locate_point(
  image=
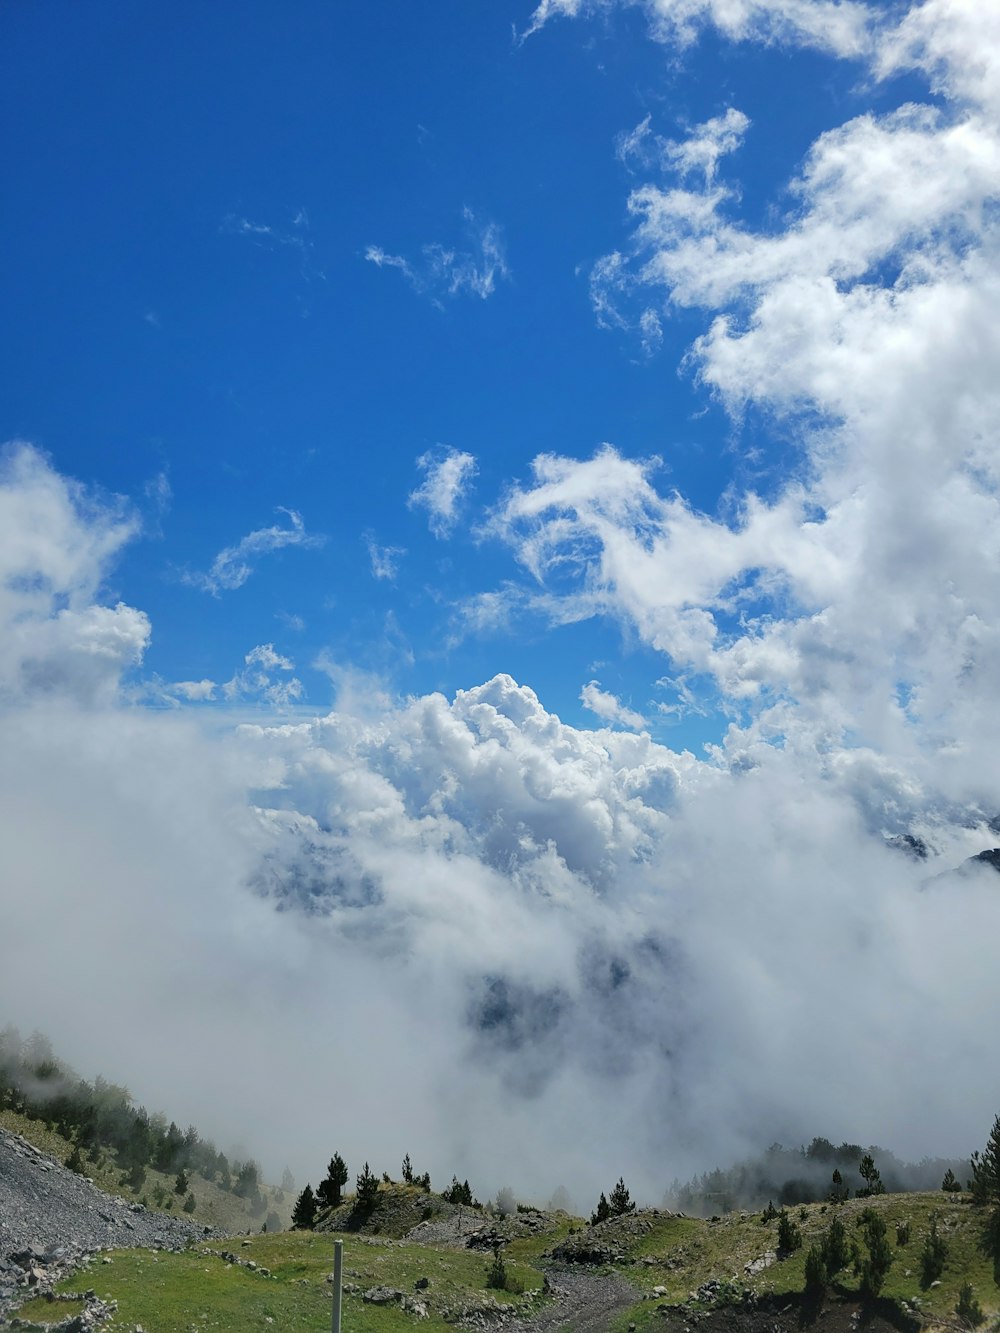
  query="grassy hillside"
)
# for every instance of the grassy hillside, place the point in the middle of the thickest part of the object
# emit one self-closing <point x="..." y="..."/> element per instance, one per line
<point x="171" y="1293"/>
<point x="214" y="1206"/>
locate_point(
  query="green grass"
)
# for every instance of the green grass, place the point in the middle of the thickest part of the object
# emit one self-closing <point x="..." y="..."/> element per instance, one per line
<point x="213" y="1205"/>
<point x="175" y="1293"/>
<point x="687" y="1252"/>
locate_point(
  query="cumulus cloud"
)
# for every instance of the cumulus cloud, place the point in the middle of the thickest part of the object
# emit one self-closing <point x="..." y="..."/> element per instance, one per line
<point x="580" y="952"/>
<point x="448" y="474"/>
<point x="57" y="542"/>
<point x="234" y="564"/>
<point x="444" y="271"/>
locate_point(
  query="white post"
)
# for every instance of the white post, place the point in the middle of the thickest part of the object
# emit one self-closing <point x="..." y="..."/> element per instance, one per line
<point x="338" y="1280"/>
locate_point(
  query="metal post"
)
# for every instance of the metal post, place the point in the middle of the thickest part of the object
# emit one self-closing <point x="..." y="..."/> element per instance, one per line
<point x="338" y="1282"/>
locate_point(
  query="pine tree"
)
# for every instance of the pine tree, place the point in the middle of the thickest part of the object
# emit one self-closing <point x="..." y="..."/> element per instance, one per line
<point x="407" y="1170"/>
<point x="870" y="1175"/>
<point x="789" y="1236"/>
<point x="367" y="1190"/>
<point x="330" y="1190"/>
<point x="304" y="1212"/>
<point x="620" y="1202"/>
<point x="950" y="1185"/>
<point x="985" y="1184"/>
<point x="601" y="1213"/>
<point x="816" y="1274"/>
<point x="835" y="1249"/>
<point x="839" y="1192"/>
<point x="181" y="1183"/>
<point x="933" y="1256"/>
<point x="875" y="1265"/>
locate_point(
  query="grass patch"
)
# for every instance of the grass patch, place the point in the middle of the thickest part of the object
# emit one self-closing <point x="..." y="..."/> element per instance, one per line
<point x="173" y="1293"/>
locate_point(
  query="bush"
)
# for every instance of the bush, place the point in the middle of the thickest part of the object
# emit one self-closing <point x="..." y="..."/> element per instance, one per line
<point x="74" y="1162"/>
<point x="968" y="1308"/>
<point x="902" y="1233"/>
<point x="498" y="1277"/>
<point x="834" y="1248"/>
<point x="189" y="1204"/>
<point x="789" y="1236"/>
<point x="933" y="1256"/>
<point x="816" y="1273"/>
<point x="769" y="1213"/>
<point x="876" y="1263"/>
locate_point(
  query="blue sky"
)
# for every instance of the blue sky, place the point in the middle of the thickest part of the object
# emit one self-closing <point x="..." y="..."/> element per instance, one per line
<point x="194" y="191"/>
<point x="504" y="500"/>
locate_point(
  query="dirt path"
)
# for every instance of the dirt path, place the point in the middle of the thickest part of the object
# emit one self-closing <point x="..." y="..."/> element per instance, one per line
<point x="584" y="1303"/>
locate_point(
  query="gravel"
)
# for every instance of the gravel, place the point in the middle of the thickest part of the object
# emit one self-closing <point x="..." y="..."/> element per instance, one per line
<point x="52" y="1219"/>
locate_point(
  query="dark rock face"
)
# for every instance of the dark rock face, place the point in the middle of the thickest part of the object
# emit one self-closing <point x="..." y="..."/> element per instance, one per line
<point x="991" y="857"/>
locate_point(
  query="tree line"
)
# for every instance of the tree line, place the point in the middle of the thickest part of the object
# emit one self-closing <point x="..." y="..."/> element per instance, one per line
<point x="101" y="1116"/>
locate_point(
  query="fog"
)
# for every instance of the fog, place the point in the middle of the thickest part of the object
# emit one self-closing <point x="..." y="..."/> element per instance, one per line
<point x="532" y="954"/>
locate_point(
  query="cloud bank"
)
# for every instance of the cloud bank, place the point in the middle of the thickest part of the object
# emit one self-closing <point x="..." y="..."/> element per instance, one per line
<point x="574" y="954"/>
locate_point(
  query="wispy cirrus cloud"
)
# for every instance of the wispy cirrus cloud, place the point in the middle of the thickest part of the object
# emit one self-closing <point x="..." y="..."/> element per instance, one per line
<point x="294" y="237"/>
<point x="448" y="271"/>
<point x="384" y="559"/>
<point x="234" y="564"/>
<point x="448" y="474"/>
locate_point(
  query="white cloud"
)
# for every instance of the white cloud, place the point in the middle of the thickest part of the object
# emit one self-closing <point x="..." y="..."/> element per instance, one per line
<point x="266" y="236"/>
<point x="234" y="564"/>
<point x="611" y="709"/>
<point x="448" y="475"/>
<point x="443" y="270"/>
<point x="571" y="930"/>
<point x="57" y="543"/>
<point x="260" y="680"/>
<point x="384" y="559"/>
<point x="195" y="691"/>
<point x="841" y="27"/>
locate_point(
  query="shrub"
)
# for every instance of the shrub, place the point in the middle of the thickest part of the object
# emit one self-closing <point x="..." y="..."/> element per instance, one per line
<point x="816" y="1273"/>
<point x="903" y="1233"/>
<point x="74" y="1161"/>
<point x="933" y="1256"/>
<point x="769" y="1213"/>
<point x="789" y="1236"/>
<point x="950" y="1185"/>
<point x="189" y="1204"/>
<point x="876" y="1263"/>
<point x="496" y="1271"/>
<point x="834" y="1248"/>
<point x="968" y="1308"/>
